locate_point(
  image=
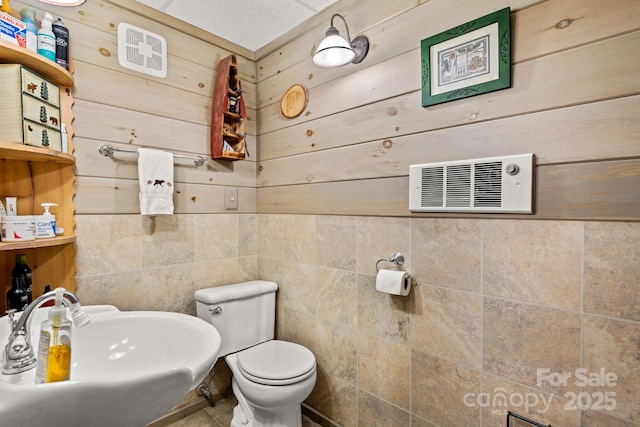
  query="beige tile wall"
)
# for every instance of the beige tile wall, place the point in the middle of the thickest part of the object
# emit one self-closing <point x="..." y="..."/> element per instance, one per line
<point x="145" y="263"/>
<point x="495" y="301"/>
<point x="157" y="263"/>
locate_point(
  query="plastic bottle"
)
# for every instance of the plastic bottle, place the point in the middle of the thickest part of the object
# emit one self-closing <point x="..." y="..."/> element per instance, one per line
<point x="29" y="18"/>
<point x="21" y="276"/>
<point x="54" y="349"/>
<point x="46" y="223"/>
<point x="46" y="38"/>
<point x="12" y="203"/>
<point x="17" y="297"/>
<point x="62" y="43"/>
<point x="51" y="216"/>
<point x="50" y="303"/>
<point x="65" y="138"/>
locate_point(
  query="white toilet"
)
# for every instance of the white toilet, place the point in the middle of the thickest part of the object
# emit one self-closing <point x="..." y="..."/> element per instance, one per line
<point x="271" y="378"/>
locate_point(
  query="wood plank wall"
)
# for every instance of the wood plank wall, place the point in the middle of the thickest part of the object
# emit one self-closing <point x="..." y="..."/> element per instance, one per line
<point x="128" y="109"/>
<point x="575" y="103"/>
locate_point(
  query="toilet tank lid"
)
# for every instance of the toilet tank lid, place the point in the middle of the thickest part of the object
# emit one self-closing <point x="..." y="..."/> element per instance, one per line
<point x="235" y="291"/>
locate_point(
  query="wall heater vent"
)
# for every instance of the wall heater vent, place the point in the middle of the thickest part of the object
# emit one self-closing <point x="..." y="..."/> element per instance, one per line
<point x="141" y="50"/>
<point x="490" y="185"/>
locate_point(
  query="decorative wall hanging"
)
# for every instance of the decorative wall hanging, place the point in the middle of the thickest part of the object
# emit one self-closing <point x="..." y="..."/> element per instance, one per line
<point x="294" y="101"/>
<point x="228" y="113"/>
<point x="470" y="59"/>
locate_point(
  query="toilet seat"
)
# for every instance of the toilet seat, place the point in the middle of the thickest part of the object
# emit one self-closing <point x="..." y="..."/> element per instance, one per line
<point x="276" y="363"/>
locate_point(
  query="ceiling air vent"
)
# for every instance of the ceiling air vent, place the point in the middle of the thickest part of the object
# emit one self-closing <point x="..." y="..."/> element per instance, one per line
<point x="497" y="184"/>
<point x="142" y="51"/>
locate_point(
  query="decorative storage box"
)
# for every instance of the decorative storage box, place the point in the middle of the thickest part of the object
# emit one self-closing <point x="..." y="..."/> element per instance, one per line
<point x="29" y="108"/>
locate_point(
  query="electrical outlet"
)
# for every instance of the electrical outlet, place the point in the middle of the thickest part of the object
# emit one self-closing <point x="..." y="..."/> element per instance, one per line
<point x="230" y="198"/>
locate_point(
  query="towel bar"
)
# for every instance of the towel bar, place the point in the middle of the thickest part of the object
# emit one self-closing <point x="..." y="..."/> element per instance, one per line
<point x="107" y="150"/>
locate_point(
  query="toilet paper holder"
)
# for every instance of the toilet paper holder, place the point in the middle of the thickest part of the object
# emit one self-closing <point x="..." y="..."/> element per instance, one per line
<point x="397" y="259"/>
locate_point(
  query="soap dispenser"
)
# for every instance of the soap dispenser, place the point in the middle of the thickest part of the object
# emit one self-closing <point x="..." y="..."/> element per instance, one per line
<point x="54" y="350"/>
<point x="46" y="223"/>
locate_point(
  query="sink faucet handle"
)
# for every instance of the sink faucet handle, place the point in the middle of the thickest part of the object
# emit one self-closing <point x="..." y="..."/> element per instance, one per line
<point x="10" y="313"/>
<point x="79" y="316"/>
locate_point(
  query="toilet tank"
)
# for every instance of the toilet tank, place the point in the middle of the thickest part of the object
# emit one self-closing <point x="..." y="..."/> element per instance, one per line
<point x="243" y="313"/>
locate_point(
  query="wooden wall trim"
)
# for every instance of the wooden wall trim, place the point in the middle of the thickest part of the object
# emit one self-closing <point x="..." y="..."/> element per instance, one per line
<point x="574" y="103"/>
<point x="125" y="166"/>
<point x="132" y="129"/>
<point x="582" y="191"/>
<point x="120" y="196"/>
<point x="385" y="23"/>
<point x="166" y="21"/>
<point x="534" y="34"/>
<point x="94" y="27"/>
<point x="372" y="111"/>
<point x="599" y="191"/>
<point x="601" y="130"/>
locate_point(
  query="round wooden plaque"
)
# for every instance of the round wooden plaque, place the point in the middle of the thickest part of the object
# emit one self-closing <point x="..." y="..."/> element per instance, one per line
<point x="294" y="101"/>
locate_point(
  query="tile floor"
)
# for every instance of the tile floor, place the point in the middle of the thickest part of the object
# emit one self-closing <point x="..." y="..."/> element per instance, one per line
<point x="220" y="415"/>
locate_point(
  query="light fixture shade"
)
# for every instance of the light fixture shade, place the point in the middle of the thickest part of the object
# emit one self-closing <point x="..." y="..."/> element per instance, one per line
<point x="333" y="51"/>
<point x="64" y="2"/>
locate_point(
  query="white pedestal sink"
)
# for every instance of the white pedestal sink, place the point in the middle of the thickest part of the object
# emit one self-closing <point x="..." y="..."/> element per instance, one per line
<point x="128" y="368"/>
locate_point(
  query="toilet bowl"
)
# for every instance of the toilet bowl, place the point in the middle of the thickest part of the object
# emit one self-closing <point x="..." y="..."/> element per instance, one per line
<point x="271" y="378"/>
<point x="274" y="378"/>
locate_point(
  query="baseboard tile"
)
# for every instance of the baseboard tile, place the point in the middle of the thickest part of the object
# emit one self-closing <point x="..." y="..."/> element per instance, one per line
<point x="317" y="417"/>
<point x="179" y="414"/>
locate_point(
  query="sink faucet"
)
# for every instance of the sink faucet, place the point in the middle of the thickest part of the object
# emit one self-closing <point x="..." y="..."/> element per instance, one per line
<point x="18" y="355"/>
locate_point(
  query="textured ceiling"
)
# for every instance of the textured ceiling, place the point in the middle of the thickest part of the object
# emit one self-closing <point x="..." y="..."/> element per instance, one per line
<point x="248" y="23"/>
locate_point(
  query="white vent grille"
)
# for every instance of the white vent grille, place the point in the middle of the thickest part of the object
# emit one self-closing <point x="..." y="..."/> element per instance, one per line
<point x="498" y="184"/>
<point x="142" y="51"/>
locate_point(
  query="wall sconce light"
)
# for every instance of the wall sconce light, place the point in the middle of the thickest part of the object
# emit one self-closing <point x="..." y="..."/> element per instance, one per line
<point x="64" y="2"/>
<point x="335" y="51"/>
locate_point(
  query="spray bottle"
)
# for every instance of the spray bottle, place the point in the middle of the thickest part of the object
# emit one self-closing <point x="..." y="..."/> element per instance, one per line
<point x="62" y="43"/>
<point x="29" y="18"/>
<point x="54" y="350"/>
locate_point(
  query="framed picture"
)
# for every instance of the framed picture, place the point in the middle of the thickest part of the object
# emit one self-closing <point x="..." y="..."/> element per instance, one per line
<point x="467" y="60"/>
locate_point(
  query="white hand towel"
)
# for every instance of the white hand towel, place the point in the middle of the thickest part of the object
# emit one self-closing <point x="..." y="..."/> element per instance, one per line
<point x="155" y="173"/>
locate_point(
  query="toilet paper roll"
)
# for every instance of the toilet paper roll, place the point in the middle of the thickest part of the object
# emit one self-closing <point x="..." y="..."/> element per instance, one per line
<point x="393" y="282"/>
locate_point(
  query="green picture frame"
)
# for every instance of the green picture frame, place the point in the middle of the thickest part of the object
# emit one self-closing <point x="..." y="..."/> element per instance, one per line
<point x="468" y="60"/>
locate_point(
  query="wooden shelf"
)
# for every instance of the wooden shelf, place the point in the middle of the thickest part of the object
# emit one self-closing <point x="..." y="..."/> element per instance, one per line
<point x="227" y="115"/>
<point x="232" y="116"/>
<point x="35" y="175"/>
<point x="12" y="54"/>
<point x="18" y="151"/>
<point x="232" y="155"/>
<point x="232" y="138"/>
<point x="38" y="243"/>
